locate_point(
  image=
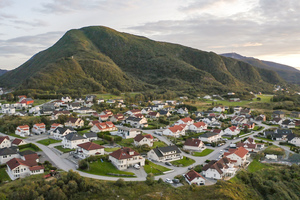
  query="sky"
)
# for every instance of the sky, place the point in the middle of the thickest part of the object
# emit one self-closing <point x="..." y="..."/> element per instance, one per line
<point x="264" y="29"/>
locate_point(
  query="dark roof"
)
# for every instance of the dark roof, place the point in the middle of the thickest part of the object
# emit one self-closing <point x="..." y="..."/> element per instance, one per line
<point x="63" y="129"/>
<point x="278" y="112"/>
<point x="166" y="150"/>
<point x="124" y="153"/>
<point x="74" y="136"/>
<point x="192" y="142"/>
<point x="3" y="138"/>
<point x="217" y="165"/>
<point x="163" y="112"/>
<point x="133" y="119"/>
<point x="208" y="135"/>
<point x="27" y="152"/>
<point x="286" y="122"/>
<point x="191" y="175"/>
<point x="284" y="131"/>
<point x="8" y="151"/>
<point x="17" y="141"/>
<point x="90" y="134"/>
<point x="90" y="146"/>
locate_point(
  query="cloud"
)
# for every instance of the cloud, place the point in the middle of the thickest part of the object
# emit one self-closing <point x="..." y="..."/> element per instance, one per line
<point x="5" y="3"/>
<point x="35" y="23"/>
<point x="202" y="5"/>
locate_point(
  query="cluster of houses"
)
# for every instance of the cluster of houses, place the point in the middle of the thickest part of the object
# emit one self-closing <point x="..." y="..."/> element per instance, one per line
<point x="19" y="164"/>
<point x="12" y="109"/>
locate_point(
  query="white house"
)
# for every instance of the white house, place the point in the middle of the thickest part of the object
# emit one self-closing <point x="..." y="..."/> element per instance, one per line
<point x="18" y="142"/>
<point x="198" y="127"/>
<point x="175" y="131"/>
<point x="210" y="137"/>
<point x="91" y="136"/>
<point x="22" y="131"/>
<point x="127" y="132"/>
<point x="8" y="111"/>
<point x="163" y="154"/>
<point x="136" y="122"/>
<point x="87" y="149"/>
<point x="54" y="126"/>
<point x="39" y="128"/>
<point x="126" y="157"/>
<point x="193" y="144"/>
<point x="219" y="109"/>
<point x="233" y="130"/>
<point x="104" y="126"/>
<point x="183" y="111"/>
<point x="60" y="132"/>
<point x="239" y="156"/>
<point x="74" y="122"/>
<point x="188" y="121"/>
<point x="8" y="153"/>
<point x="34" y="109"/>
<point x="72" y="140"/>
<point x="193" y="177"/>
<point x="218" y="169"/>
<point x="66" y="99"/>
<point x="141" y="140"/>
<point x="293" y="139"/>
<point x="5" y="142"/>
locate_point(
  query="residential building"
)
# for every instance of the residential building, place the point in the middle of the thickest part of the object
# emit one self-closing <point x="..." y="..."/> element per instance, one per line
<point x="66" y="99"/>
<point x="233" y="130"/>
<point x="56" y="114"/>
<point x="104" y="126"/>
<point x="133" y="112"/>
<point x="72" y="140"/>
<point x="153" y="115"/>
<point x="91" y="136"/>
<point x="38" y="128"/>
<point x="183" y="111"/>
<point x="127" y="132"/>
<point x="140" y="140"/>
<point x="74" y="122"/>
<point x="250" y="145"/>
<point x="163" y="154"/>
<point x="117" y="118"/>
<point x="261" y="118"/>
<point x="193" y="144"/>
<point x="8" y="153"/>
<point x="198" y="127"/>
<point x="126" y="157"/>
<point x="60" y="132"/>
<point x="136" y="122"/>
<point x="278" y="114"/>
<point x="22" y="131"/>
<point x="219" y="169"/>
<point x="238" y="156"/>
<point x="18" y="142"/>
<point x="164" y="113"/>
<point x="27" y="101"/>
<point x="103" y="118"/>
<point x="218" y="109"/>
<point x="293" y="139"/>
<point x="87" y="149"/>
<point x="188" y="121"/>
<point x="295" y="114"/>
<point x="5" y="142"/>
<point x="288" y="124"/>
<point x="175" y="131"/>
<point x="210" y="137"/>
<point x="193" y="177"/>
<point x="94" y="122"/>
<point x="54" y="126"/>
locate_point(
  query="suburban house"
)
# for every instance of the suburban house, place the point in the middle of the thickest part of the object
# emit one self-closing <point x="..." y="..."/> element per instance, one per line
<point x="38" y="128"/>
<point x="193" y="144"/>
<point x="237" y="156"/>
<point x="276" y="120"/>
<point x="87" y="149"/>
<point x="134" y="112"/>
<point x="210" y="137"/>
<point x="164" y="113"/>
<point x="60" y="132"/>
<point x="239" y="120"/>
<point x="56" y="114"/>
<point x="84" y="110"/>
<point x="136" y="122"/>
<point x="145" y="111"/>
<point x="22" y="131"/>
<point x="278" y="114"/>
<point x="66" y="99"/>
<point x="106" y="112"/>
<point x="91" y="136"/>
<point x="18" y="142"/>
<point x="103" y="118"/>
<point x="117" y="118"/>
<point x="188" y="121"/>
<point x="249" y="125"/>
<point x="19" y="168"/>
<point x="250" y="145"/>
<point x="198" y="127"/>
<point x="183" y="111"/>
<point x="245" y="111"/>
<point x="233" y="130"/>
<point x="175" y="131"/>
<point x="153" y="115"/>
<point x="72" y="140"/>
<point x="104" y="126"/>
<point x="92" y="123"/>
<point x="219" y="169"/>
<point x="193" y="177"/>
<point x="295" y="114"/>
<point x="141" y="140"/>
<point x="163" y="154"/>
<point x="261" y="118"/>
<point x="5" y="142"/>
<point x="278" y="134"/>
<point x="293" y="139"/>
<point x="27" y="101"/>
<point x="126" y="157"/>
<point x="218" y="109"/>
<point x="54" y="126"/>
<point x="288" y="124"/>
<point x="8" y="153"/>
<point x="74" y="122"/>
<point x="127" y="132"/>
<point x="74" y="106"/>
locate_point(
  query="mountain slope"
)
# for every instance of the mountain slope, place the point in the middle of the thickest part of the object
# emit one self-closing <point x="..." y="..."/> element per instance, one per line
<point x="3" y="71"/>
<point x="99" y="59"/>
<point x="289" y="74"/>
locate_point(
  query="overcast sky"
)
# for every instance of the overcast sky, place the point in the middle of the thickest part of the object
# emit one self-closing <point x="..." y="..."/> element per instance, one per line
<point x="265" y="29"/>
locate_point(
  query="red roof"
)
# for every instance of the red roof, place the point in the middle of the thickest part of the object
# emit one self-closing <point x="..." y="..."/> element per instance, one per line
<point x="191" y="175"/>
<point x="37" y="167"/>
<point x="41" y="125"/>
<point x="25" y="127"/>
<point x="95" y="122"/>
<point x="56" y="125"/>
<point x="199" y="124"/>
<point x="90" y="146"/>
<point x="139" y="137"/>
<point x="216" y="131"/>
<point x="3" y="138"/>
<point x="233" y="128"/>
<point x="241" y="152"/>
<point x="31" y="156"/>
<point x="17" y="141"/>
<point x="138" y="115"/>
<point x="135" y="111"/>
<point x="15" y="162"/>
<point x="193" y="142"/>
<point x="176" y="128"/>
<point x="104" y="125"/>
<point x="104" y="116"/>
<point x="124" y="153"/>
<point x="246" y="145"/>
<point x="187" y="119"/>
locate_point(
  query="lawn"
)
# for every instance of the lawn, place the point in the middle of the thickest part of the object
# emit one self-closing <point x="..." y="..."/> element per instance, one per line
<point x="126" y="142"/>
<point x="274" y="150"/>
<point x="3" y="175"/>
<point x="111" y="149"/>
<point x="39" y="102"/>
<point x="150" y="167"/>
<point x="205" y="152"/>
<point x="64" y="150"/>
<point x="46" y="142"/>
<point x="103" y="168"/>
<point x="258" y="128"/>
<point x="84" y="131"/>
<point x="30" y="146"/>
<point x="262" y="138"/>
<point x="100" y="142"/>
<point x="255" y="165"/>
<point x="159" y="144"/>
<point x="185" y="161"/>
<point x="17" y="136"/>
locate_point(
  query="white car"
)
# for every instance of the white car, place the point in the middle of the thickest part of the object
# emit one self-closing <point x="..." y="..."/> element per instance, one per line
<point x="168" y="181"/>
<point x="137" y="166"/>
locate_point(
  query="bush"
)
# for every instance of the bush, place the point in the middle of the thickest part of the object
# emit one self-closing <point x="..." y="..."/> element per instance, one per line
<point x="83" y="164"/>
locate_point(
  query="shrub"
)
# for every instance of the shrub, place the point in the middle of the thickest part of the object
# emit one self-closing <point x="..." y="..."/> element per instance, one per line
<point x="83" y="164"/>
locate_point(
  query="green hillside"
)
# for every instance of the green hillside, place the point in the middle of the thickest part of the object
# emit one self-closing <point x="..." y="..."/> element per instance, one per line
<point x="100" y="59"/>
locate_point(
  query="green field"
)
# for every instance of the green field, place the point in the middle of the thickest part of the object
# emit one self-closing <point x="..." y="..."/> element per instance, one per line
<point x="30" y="146"/>
<point x="103" y="168"/>
<point x="205" y="152"/>
<point x="159" y="144"/>
<point x="185" y="161"/>
<point x="3" y="175"/>
<point x="274" y="150"/>
<point x="262" y="138"/>
<point x="100" y="142"/>
<point x="255" y="165"/>
<point x="111" y="149"/>
<point x="17" y="136"/>
<point x="64" y="150"/>
<point x="126" y="142"/>
<point x="39" y="102"/>
<point x="150" y="167"/>
<point x="46" y="142"/>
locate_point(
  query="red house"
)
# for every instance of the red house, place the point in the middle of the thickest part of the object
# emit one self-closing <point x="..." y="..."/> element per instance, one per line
<point x="27" y="101"/>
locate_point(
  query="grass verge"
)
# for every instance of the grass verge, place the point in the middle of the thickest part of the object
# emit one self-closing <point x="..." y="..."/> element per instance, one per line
<point x="205" y="152"/>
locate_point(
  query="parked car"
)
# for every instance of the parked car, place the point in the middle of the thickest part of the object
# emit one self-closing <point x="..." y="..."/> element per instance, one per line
<point x="136" y="166"/>
<point x="176" y="181"/>
<point x="167" y="163"/>
<point x="168" y="181"/>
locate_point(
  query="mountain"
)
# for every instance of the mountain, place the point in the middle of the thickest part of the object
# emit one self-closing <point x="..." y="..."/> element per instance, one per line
<point x="3" y="71"/>
<point x="288" y="73"/>
<point x="101" y="59"/>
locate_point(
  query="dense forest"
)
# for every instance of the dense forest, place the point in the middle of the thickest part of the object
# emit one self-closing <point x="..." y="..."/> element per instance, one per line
<point x="280" y="182"/>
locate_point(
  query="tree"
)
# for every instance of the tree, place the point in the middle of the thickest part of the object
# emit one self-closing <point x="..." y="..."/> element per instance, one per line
<point x="150" y="179"/>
